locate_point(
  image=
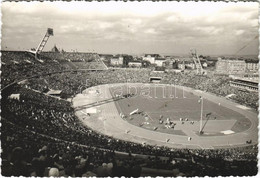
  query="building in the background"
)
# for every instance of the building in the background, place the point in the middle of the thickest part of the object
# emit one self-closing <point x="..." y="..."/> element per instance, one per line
<point x="189" y="64"/>
<point x="159" y="61"/>
<point x="231" y="67"/>
<point x="150" y="57"/>
<point x="116" y="61"/>
<point x="181" y="65"/>
<point x="252" y="66"/>
<point x="135" y="64"/>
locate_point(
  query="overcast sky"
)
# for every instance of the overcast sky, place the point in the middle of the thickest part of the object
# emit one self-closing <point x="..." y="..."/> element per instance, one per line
<point x="133" y="27"/>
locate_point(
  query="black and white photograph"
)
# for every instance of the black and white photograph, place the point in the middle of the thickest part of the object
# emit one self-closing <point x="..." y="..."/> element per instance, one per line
<point x="133" y="89"/>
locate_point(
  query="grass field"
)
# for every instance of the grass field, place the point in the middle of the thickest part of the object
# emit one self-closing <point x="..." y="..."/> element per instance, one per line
<point x="228" y="125"/>
<point x="161" y="104"/>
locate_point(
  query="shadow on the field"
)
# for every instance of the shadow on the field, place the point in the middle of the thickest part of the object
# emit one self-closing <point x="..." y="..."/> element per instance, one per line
<point x="205" y="123"/>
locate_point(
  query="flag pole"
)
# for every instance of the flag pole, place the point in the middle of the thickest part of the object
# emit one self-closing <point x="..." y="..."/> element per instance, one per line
<point x="201" y="114"/>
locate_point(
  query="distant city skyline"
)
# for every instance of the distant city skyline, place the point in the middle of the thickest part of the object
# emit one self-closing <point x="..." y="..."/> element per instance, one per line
<point x="213" y="28"/>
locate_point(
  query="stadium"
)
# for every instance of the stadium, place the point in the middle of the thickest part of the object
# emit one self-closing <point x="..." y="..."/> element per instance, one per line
<point x="56" y="112"/>
<point x="89" y="114"/>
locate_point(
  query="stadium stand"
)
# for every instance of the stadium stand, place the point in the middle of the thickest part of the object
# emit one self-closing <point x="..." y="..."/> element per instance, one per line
<point x="41" y="136"/>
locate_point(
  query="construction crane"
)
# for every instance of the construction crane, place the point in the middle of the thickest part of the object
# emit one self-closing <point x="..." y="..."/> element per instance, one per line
<point x="197" y="62"/>
<point x="42" y="43"/>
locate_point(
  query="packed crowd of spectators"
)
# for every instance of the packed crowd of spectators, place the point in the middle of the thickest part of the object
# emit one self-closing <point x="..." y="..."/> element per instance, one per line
<point x="76" y="60"/>
<point x="33" y="154"/>
<point x="36" y="119"/>
<point x="17" y="65"/>
<point x="41" y="136"/>
<point x="215" y="84"/>
<point x="74" y="82"/>
<point x="70" y="56"/>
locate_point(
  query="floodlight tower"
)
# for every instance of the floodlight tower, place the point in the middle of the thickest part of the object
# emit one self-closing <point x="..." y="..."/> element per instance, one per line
<point x="197" y="62"/>
<point x="44" y="41"/>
